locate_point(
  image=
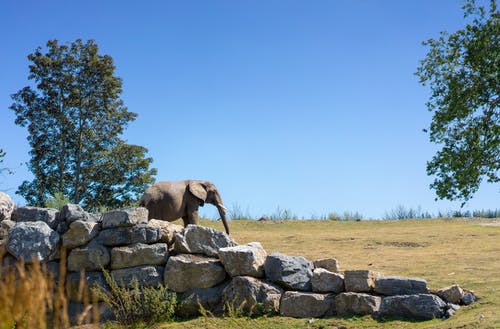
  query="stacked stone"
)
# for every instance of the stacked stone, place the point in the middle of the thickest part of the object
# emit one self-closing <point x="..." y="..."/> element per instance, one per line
<point x="206" y="267"/>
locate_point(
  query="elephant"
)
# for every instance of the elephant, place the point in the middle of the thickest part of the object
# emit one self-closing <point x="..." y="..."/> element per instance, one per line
<point x="170" y="200"/>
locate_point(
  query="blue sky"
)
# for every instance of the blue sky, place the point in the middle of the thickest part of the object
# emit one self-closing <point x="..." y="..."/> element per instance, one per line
<point x="310" y="106"/>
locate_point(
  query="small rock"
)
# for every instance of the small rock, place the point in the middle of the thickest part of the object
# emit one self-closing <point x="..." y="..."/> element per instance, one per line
<point x="209" y="298"/>
<point x="330" y="264"/>
<point x="469" y="298"/>
<point x="72" y="212"/>
<point x="452" y="294"/>
<point x="121" y="236"/>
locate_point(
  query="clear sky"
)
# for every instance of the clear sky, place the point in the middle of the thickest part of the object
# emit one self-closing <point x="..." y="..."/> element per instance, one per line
<point x="311" y="106"/>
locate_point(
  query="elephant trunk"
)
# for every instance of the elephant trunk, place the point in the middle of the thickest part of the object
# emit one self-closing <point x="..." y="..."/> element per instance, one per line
<point x="222" y="213"/>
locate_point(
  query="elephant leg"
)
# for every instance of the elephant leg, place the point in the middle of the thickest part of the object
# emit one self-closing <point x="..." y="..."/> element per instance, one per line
<point x="191" y="218"/>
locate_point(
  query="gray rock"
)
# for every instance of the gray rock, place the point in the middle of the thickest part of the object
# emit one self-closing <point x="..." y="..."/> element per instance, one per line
<point x="76" y="309"/>
<point x="330" y="264"/>
<point x="124" y="217"/>
<point x="168" y="230"/>
<point x="244" y="260"/>
<point x="326" y="281"/>
<point x="452" y="294"/>
<point x="195" y="239"/>
<point x="139" y="254"/>
<point x="72" y="212"/>
<point x="122" y="236"/>
<point x="290" y="272"/>
<point x="357" y="303"/>
<point x="82" y="283"/>
<point x="33" y="240"/>
<point x="209" y="298"/>
<point x="251" y="295"/>
<point x="414" y="307"/>
<point x="186" y="272"/>
<point x="147" y="276"/>
<point x="307" y="305"/>
<point x="35" y="214"/>
<point x="360" y="280"/>
<point x="395" y="285"/>
<point x="6" y="206"/>
<point x="469" y="298"/>
<point x="80" y="233"/>
<point x="91" y="257"/>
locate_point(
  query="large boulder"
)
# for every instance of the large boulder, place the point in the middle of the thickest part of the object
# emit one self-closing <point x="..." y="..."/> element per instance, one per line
<point x="80" y="233"/>
<point x="92" y="257"/>
<point x="395" y="285"/>
<point x="139" y="254"/>
<point x="326" y="281"/>
<point x="210" y="300"/>
<point x="72" y="212"/>
<point x="5" y="227"/>
<point x="413" y="307"/>
<point x="6" y="206"/>
<point x="33" y="241"/>
<point x="290" y="272"/>
<point x="186" y="272"/>
<point x="357" y="303"/>
<point x="330" y="264"/>
<point x="36" y="214"/>
<point x="307" y="304"/>
<point x="252" y="295"/>
<point x="360" y="280"/>
<point x="121" y="236"/>
<point x="168" y="230"/>
<point x="195" y="239"/>
<point x="244" y="260"/>
<point x="146" y="276"/>
<point x="124" y="217"/>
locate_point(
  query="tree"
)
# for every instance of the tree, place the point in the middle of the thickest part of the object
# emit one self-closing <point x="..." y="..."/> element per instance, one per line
<point x="463" y="72"/>
<point x="74" y="117"/>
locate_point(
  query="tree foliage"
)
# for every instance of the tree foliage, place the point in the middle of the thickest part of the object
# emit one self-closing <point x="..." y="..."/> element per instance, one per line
<point x="463" y="72"/>
<point x="75" y="117"/>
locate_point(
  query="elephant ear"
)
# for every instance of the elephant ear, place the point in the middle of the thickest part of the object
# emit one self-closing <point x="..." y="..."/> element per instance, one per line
<point x="198" y="190"/>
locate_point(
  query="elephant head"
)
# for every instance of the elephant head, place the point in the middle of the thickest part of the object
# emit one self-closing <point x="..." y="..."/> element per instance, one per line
<point x="172" y="200"/>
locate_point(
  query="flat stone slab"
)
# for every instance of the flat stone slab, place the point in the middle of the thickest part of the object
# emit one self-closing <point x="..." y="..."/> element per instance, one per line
<point x="325" y="281"/>
<point x="186" y="272"/>
<point x="307" y="304"/>
<point x="413" y="307"/>
<point x="195" y="239"/>
<point x="125" y="217"/>
<point x="92" y="257"/>
<point x="147" y="276"/>
<point x="360" y="280"/>
<point x="395" y="285"/>
<point x="121" y="236"/>
<point x="139" y="254"/>
<point x="357" y="303"/>
<point x="330" y="264"/>
<point x="36" y="214"/>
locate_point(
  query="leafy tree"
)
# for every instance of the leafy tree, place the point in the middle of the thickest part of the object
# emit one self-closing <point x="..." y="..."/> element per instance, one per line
<point x="74" y="117"/>
<point x="463" y="72"/>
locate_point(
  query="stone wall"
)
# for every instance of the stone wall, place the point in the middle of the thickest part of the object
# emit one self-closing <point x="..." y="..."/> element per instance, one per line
<point x="205" y="265"/>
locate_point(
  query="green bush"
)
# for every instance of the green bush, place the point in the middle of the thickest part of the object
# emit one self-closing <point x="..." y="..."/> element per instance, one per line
<point x="57" y="201"/>
<point x="139" y="304"/>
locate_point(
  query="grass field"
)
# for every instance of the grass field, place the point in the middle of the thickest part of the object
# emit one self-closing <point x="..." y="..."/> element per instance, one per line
<point x="442" y="251"/>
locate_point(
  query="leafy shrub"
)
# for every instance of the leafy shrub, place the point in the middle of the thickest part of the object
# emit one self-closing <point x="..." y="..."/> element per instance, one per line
<point x="139" y="304"/>
<point x="57" y="201"/>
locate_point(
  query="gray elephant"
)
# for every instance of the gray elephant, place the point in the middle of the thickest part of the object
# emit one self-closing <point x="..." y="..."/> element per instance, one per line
<point x="172" y="200"/>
